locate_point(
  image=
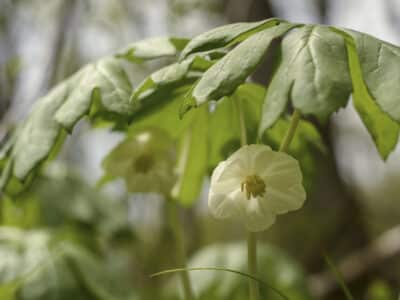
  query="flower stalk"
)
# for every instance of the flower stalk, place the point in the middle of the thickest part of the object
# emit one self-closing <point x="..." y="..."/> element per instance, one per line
<point x="177" y="230"/>
<point x="291" y="131"/>
<point x="254" y="289"/>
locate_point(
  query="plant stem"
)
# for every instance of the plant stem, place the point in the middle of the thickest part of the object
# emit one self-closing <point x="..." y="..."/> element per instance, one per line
<point x="242" y="122"/>
<point x="291" y="131"/>
<point x="177" y="230"/>
<point x="254" y="290"/>
<point x="252" y="264"/>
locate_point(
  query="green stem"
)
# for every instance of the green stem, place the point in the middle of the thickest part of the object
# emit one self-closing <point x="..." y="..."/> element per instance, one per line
<point x="242" y="123"/>
<point x="177" y="230"/>
<point x="254" y="290"/>
<point x="252" y="264"/>
<point x="291" y="131"/>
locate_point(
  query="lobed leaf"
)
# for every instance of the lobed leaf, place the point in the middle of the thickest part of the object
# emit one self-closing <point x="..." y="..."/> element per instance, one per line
<point x="380" y="66"/>
<point x="152" y="48"/>
<point x="313" y="74"/>
<point x="223" y="35"/>
<point x="383" y="130"/>
<point x="100" y="90"/>
<point x="233" y="69"/>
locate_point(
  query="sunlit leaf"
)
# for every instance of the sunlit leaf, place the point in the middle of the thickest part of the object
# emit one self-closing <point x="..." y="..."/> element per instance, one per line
<point x="384" y="131"/>
<point x="313" y="74"/>
<point x="233" y="69"/>
<point x="152" y="48"/>
<point x="223" y="35"/>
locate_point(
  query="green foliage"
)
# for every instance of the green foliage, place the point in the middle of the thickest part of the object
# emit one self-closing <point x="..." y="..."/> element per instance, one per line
<point x="318" y="68"/>
<point x="383" y="129"/>
<point x="152" y="48"/>
<point x="275" y="267"/>
<point x="224" y="35"/>
<point x="39" y="266"/>
<point x="233" y="69"/>
<point x="313" y="73"/>
<point x="306" y="144"/>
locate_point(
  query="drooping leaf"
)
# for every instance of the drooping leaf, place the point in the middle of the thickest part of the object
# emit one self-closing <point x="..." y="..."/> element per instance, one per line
<point x="192" y="165"/>
<point x="169" y="77"/>
<point x="380" y="66"/>
<point x="162" y="111"/>
<point x="224" y="128"/>
<point x="383" y="130"/>
<point x="223" y="35"/>
<point x="152" y="48"/>
<point x="100" y="90"/>
<point x="233" y="69"/>
<point x="104" y="82"/>
<point x="313" y="74"/>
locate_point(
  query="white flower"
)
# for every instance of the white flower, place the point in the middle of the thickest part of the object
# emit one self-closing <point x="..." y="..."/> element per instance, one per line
<point x="254" y="185"/>
<point x="146" y="161"/>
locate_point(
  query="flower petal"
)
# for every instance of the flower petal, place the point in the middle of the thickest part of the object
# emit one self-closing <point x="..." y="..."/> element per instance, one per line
<point x="256" y="218"/>
<point x="225" y="206"/>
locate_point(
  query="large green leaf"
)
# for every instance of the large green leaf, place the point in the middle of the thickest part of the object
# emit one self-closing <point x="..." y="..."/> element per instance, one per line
<point x="192" y="166"/>
<point x="384" y="131"/>
<point x="233" y="69"/>
<point x="152" y="48"/>
<point x="221" y="36"/>
<point x="224" y="128"/>
<point x="100" y="90"/>
<point x="313" y="74"/>
<point x="169" y="77"/>
<point x="380" y="66"/>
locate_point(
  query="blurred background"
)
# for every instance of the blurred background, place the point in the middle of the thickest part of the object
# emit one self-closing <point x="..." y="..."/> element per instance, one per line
<point x="77" y="242"/>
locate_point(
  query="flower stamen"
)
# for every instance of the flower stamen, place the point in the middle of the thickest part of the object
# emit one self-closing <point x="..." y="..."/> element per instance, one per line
<point x="253" y="186"/>
<point x="143" y="163"/>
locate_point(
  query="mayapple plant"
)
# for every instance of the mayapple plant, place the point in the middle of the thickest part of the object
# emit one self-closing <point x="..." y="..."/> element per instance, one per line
<point x="184" y="119"/>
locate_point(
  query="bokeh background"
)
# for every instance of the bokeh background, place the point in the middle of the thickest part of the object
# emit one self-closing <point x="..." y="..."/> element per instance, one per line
<point x="73" y="241"/>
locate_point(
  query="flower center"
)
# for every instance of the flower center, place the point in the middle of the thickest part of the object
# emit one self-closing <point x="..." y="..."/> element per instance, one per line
<point x="253" y="186"/>
<point x="143" y="163"/>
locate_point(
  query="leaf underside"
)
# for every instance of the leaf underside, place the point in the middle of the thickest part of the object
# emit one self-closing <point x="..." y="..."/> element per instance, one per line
<point x="318" y="68"/>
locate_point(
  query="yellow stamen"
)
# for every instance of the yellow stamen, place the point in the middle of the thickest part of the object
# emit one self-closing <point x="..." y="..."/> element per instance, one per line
<point x="253" y="186"/>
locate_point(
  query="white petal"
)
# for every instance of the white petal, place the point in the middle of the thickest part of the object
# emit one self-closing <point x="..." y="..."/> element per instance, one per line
<point x="228" y="205"/>
<point x="256" y="218"/>
<point x="282" y="201"/>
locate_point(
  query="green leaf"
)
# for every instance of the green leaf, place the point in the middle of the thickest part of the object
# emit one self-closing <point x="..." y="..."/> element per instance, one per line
<point x="233" y="69"/>
<point x="313" y="74"/>
<point x="383" y="130"/>
<point x="152" y="48"/>
<point x="223" y="35"/>
<point x="110" y="80"/>
<point x="192" y="166"/>
<point x="161" y="110"/>
<point x="380" y="66"/>
<point x="306" y="143"/>
<point x="169" y="77"/>
<point x="224" y="129"/>
<point x="100" y="90"/>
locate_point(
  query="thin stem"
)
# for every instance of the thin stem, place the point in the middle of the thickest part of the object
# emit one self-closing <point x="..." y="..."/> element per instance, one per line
<point x="182" y="162"/>
<point x="254" y="290"/>
<point x="252" y="264"/>
<point x="291" y="131"/>
<point x="177" y="230"/>
<point x="242" y="122"/>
